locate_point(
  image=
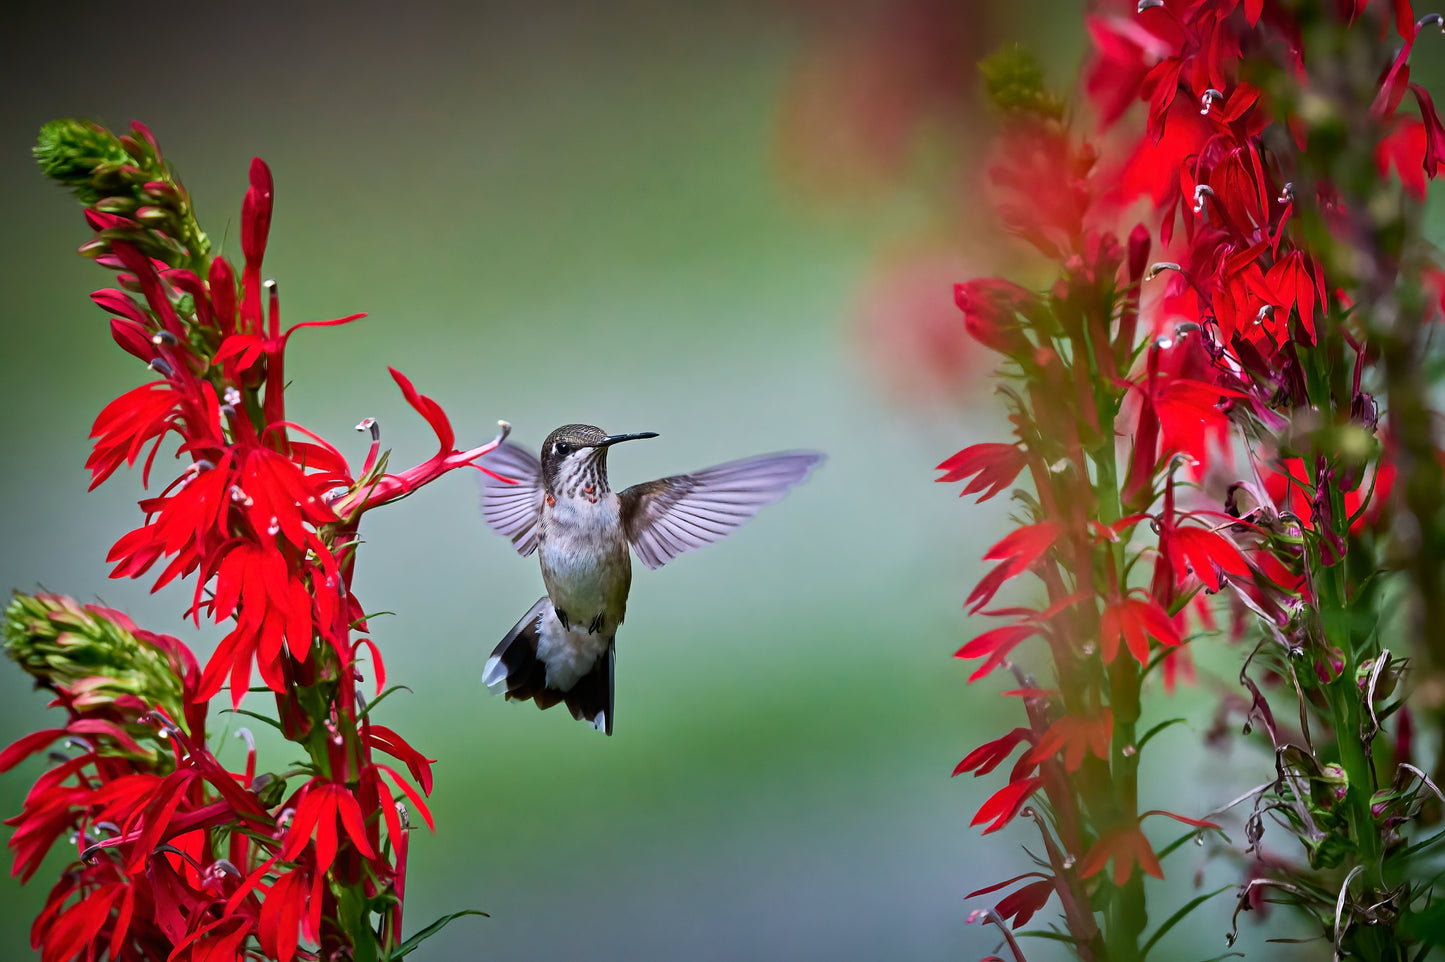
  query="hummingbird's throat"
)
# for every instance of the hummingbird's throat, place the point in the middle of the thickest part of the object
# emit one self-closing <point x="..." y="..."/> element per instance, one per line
<point x="584" y="477"/>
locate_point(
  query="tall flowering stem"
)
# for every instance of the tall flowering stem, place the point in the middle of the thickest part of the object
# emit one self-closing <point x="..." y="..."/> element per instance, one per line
<point x="1118" y="561"/>
<point x="176" y="856"/>
<point x="1211" y="424"/>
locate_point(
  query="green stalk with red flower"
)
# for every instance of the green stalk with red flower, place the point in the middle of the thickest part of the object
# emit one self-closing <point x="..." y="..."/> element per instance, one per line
<point x="177" y="857"/>
<point x="1255" y="450"/>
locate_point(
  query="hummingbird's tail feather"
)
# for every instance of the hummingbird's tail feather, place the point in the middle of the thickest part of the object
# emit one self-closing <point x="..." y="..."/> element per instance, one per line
<point x="590" y="700"/>
<point x="516" y="671"/>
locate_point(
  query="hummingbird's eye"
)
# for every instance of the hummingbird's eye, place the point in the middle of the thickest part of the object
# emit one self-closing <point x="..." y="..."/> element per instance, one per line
<point x="562" y="447"/>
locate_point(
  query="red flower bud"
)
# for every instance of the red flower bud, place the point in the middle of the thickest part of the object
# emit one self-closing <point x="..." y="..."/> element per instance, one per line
<point x="991" y="308"/>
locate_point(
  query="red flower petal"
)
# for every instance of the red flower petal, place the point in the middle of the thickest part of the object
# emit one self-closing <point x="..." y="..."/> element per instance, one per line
<point x="1005" y="803"/>
<point x="996" y="466"/>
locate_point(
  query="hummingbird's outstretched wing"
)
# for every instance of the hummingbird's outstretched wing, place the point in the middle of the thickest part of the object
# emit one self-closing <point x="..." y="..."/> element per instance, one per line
<point x="669" y="516"/>
<point x="513" y="510"/>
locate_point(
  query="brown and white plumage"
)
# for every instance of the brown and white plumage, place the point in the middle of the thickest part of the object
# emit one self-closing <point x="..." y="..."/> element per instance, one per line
<point x="563" y="649"/>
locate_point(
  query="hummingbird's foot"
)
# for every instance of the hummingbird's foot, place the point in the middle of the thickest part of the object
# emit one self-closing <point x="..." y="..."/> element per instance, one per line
<point x="562" y="617"/>
<point x="596" y="624"/>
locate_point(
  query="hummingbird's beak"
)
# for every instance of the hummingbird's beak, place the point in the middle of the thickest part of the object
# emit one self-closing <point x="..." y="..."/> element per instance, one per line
<point x="614" y="439"/>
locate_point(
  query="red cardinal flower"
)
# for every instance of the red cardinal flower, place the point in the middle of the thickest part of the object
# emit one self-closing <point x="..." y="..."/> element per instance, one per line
<point x="1134" y="619"/>
<point x="993" y="468"/>
<point x="1022" y="903"/>
<point x="1126" y="846"/>
<point x="1017" y="552"/>
<point x="986" y="757"/>
<point x="1074" y="735"/>
<point x="1005" y="803"/>
<point x="1206" y="552"/>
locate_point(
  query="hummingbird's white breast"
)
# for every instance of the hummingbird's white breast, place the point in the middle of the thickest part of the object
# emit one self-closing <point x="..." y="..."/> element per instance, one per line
<point x="586" y="563"/>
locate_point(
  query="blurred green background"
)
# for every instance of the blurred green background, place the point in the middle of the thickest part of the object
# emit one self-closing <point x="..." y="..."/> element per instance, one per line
<point x="553" y="213"/>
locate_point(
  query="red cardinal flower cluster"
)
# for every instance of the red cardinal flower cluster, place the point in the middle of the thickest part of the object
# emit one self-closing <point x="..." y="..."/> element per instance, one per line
<point x="178" y="857"/>
<point x="1210" y="425"/>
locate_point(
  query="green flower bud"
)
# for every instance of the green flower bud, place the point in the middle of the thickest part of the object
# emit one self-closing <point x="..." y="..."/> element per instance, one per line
<point x="69" y="151"/>
<point x="1015" y="84"/>
<point x="87" y="653"/>
<point x="270" y="789"/>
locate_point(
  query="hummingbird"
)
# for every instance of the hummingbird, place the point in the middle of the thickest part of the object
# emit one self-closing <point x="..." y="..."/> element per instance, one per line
<point x="562" y="508"/>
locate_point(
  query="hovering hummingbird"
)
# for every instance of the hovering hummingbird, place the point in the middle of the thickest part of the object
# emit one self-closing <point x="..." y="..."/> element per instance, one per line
<point x="564" y="648"/>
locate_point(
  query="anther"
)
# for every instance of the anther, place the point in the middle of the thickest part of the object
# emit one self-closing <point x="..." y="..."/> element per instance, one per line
<point x="161" y="367"/>
<point x="1209" y="99"/>
<point x="1200" y="192"/>
<point x="232" y="396"/>
<point x="240" y="497"/>
<point x="1164" y="342"/>
<point x="274" y="528"/>
<point x="1431" y="20"/>
<point x="162" y="723"/>
<point x="1265" y="311"/>
<point x="245" y="735"/>
<point x="1149" y="5"/>
<point x="222" y="867"/>
<point x="372" y="425"/>
<point x="163" y="337"/>
<point x="1286" y="195"/>
<point x="1156" y="269"/>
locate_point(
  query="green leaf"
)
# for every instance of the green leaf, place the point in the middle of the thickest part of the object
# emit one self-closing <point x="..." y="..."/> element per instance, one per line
<point x="379" y="698"/>
<point x="1169" y="849"/>
<point x="250" y="714"/>
<point x="1178" y="916"/>
<point x="1041" y="934"/>
<point x="1156" y="730"/>
<point x="406" y="947"/>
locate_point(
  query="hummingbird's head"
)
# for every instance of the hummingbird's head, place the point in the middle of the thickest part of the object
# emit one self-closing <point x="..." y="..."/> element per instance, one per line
<point x="575" y="455"/>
